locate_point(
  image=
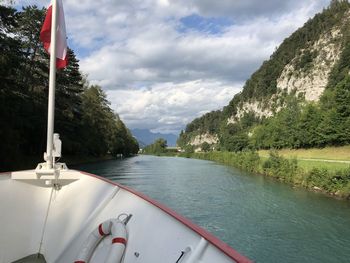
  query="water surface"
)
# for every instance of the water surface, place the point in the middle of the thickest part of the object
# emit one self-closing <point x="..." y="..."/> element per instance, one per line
<point x="265" y="220"/>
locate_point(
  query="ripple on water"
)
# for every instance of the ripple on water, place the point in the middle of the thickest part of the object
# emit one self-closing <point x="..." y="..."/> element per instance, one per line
<point x="263" y="219"/>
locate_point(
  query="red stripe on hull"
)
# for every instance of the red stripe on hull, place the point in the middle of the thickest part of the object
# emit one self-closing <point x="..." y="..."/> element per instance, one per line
<point x="225" y="248"/>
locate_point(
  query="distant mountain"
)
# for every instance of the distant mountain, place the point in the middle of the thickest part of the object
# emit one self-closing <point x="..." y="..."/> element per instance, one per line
<point x="146" y="137"/>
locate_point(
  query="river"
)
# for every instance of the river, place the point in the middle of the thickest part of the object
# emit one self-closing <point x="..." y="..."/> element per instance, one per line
<point x="265" y="220"/>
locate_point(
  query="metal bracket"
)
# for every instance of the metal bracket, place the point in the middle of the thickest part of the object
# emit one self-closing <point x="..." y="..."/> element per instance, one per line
<point x="41" y="176"/>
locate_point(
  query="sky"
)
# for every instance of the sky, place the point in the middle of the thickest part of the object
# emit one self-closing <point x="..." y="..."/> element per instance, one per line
<point x="163" y="63"/>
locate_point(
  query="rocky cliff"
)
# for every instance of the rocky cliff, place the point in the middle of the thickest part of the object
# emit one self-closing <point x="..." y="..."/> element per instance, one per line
<point x="305" y="65"/>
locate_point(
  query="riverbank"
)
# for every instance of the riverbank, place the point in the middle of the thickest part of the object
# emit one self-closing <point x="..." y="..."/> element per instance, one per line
<point x="339" y="153"/>
<point x="332" y="158"/>
<point x="30" y="162"/>
<point x="334" y="182"/>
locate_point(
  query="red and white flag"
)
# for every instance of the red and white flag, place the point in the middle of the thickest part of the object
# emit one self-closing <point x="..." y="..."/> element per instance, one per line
<point x="61" y="39"/>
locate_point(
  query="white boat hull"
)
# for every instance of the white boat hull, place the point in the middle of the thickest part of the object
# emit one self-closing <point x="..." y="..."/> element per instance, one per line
<point x="155" y="233"/>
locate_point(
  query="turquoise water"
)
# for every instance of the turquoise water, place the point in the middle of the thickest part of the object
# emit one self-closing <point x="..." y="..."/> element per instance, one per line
<point x="264" y="220"/>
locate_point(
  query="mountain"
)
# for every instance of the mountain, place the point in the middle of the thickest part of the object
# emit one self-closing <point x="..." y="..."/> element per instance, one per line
<point x="146" y="137"/>
<point x="300" y="97"/>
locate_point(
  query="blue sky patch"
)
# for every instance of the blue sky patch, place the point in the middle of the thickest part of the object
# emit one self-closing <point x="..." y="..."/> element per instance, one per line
<point x="211" y="25"/>
<point x="79" y="51"/>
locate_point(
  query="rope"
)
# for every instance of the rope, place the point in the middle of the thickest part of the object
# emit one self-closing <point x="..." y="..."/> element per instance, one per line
<point x="47" y="215"/>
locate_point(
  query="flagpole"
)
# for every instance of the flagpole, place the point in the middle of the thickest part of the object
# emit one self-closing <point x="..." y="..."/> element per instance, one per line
<point x="50" y="160"/>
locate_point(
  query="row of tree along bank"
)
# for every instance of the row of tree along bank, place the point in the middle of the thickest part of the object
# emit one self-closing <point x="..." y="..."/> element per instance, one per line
<point x="333" y="182"/>
<point x="158" y="147"/>
<point x="84" y="119"/>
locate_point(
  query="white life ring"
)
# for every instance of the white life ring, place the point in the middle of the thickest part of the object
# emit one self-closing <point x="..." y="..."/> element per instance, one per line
<point x="113" y="227"/>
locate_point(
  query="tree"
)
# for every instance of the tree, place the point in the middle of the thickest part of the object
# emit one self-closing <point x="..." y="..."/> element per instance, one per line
<point x="11" y="90"/>
<point x="205" y="147"/>
<point x="307" y="127"/>
<point x="35" y="64"/>
<point x="335" y="128"/>
<point x="84" y="118"/>
<point x="159" y="146"/>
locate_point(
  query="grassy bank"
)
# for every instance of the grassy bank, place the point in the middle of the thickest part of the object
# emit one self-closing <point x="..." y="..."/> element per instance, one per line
<point x="341" y="153"/>
<point x="331" y="153"/>
<point x="335" y="181"/>
<point x="332" y="158"/>
<point x="310" y="164"/>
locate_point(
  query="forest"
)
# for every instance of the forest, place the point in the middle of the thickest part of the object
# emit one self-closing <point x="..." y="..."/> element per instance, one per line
<point x="158" y="147"/>
<point x="83" y="117"/>
<point x="298" y="123"/>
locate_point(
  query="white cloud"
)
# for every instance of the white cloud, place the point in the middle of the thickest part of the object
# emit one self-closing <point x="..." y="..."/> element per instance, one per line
<point x="159" y="76"/>
<point x="252" y="8"/>
<point x="168" y="107"/>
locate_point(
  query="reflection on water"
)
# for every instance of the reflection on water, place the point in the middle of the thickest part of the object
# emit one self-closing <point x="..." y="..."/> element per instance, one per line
<point x="265" y="220"/>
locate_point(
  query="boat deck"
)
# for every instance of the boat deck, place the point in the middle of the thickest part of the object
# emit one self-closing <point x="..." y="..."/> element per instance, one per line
<point x="61" y="220"/>
<point x="35" y="258"/>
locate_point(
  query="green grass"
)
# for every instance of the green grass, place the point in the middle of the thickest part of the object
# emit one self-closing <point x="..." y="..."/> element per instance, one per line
<point x="308" y="165"/>
<point x="317" y="157"/>
<point x="329" y="177"/>
<point x="330" y="153"/>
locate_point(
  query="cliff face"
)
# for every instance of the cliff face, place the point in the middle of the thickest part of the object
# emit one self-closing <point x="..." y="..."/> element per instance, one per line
<point x="301" y="67"/>
<point x="309" y="79"/>
<point x="312" y="79"/>
<point x="201" y="138"/>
